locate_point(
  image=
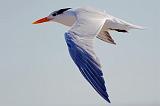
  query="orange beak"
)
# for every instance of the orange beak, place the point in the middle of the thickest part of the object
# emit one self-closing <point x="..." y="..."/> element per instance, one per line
<point x="45" y="19"/>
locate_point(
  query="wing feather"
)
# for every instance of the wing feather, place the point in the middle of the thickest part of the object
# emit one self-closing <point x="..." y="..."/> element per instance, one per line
<point x="87" y="64"/>
<point x="106" y="37"/>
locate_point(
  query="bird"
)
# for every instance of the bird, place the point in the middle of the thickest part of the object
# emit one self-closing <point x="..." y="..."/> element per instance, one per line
<point x="86" y="24"/>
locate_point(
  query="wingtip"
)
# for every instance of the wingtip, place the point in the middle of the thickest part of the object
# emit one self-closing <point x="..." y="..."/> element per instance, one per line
<point x="138" y="27"/>
<point x="114" y="43"/>
<point x="108" y="100"/>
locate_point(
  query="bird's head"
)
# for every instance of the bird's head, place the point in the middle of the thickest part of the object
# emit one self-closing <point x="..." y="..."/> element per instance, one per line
<point x="52" y="16"/>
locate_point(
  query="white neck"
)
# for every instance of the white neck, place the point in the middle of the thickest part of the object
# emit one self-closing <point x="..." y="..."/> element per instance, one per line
<point x="67" y="18"/>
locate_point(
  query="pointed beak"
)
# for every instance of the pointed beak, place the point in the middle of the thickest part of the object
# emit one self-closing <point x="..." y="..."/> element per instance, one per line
<point x="45" y="19"/>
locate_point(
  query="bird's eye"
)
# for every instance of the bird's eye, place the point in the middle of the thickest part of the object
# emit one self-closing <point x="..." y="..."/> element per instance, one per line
<point x="54" y="14"/>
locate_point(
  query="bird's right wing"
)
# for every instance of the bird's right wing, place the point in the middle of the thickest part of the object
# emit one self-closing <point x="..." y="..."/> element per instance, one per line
<point x="106" y="37"/>
<point x="113" y="23"/>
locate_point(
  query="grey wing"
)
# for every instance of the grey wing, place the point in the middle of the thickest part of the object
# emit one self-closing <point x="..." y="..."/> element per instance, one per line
<point x="106" y="37"/>
<point x="114" y="24"/>
<point x="119" y="25"/>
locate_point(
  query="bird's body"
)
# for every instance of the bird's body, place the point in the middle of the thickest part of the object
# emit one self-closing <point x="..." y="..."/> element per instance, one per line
<point x="88" y="21"/>
<point x="86" y="24"/>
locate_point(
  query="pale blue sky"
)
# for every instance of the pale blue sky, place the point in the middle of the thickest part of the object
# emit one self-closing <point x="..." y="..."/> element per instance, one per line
<point x="36" y="69"/>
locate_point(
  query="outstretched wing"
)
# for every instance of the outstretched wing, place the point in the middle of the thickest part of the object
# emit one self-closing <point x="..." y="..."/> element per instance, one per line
<point x="81" y="51"/>
<point x="119" y="25"/>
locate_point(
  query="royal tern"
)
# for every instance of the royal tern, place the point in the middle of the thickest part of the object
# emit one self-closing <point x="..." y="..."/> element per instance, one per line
<point x="86" y="24"/>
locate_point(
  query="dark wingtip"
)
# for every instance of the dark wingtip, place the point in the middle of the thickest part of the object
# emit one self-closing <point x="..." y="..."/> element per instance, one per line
<point x="107" y="99"/>
<point x="114" y="43"/>
<point x="119" y="30"/>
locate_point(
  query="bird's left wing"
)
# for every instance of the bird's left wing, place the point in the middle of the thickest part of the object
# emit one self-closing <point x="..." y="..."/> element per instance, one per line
<point x="81" y="51"/>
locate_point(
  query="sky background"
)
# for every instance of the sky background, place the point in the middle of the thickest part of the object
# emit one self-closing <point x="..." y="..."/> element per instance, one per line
<point x="36" y="69"/>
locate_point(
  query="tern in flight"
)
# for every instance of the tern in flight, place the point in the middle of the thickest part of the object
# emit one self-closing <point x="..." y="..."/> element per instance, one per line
<point x="87" y="24"/>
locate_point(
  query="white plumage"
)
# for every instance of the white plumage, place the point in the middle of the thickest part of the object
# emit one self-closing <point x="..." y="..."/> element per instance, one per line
<point x="86" y="24"/>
